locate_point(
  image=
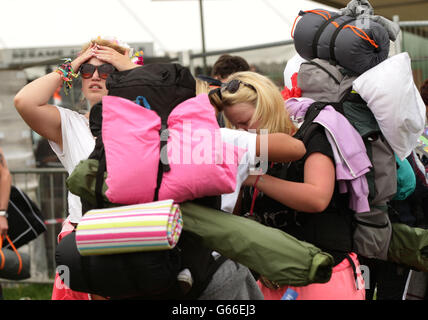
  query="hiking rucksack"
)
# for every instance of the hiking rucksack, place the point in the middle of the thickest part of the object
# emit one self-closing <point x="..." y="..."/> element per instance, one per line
<point x="329" y="84"/>
<point x="159" y="87"/>
<point x="156" y="91"/>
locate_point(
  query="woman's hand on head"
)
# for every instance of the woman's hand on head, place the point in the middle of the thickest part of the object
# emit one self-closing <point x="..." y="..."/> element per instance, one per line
<point x="83" y="57"/>
<point x="120" y="61"/>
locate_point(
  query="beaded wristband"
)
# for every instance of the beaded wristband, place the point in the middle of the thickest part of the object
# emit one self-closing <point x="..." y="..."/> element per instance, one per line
<point x="66" y="72"/>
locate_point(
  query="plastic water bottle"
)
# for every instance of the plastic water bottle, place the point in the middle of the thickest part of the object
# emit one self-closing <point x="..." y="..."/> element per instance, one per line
<point x="290" y="294"/>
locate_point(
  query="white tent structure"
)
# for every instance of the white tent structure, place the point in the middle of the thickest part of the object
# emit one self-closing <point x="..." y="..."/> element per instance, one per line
<point x="171" y="25"/>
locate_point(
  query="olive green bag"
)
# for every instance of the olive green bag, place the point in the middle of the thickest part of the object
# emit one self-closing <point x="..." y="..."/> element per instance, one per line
<point x="272" y="253"/>
<point x="82" y="180"/>
<point x="409" y="246"/>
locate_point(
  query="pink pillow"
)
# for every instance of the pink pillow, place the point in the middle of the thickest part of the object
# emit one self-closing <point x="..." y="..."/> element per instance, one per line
<point x="131" y="142"/>
<point x="201" y="164"/>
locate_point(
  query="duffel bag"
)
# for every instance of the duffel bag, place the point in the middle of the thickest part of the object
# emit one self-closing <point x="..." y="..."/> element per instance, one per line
<point x="351" y="42"/>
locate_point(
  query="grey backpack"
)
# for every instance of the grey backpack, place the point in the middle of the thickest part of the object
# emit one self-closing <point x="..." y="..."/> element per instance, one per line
<point x="332" y="85"/>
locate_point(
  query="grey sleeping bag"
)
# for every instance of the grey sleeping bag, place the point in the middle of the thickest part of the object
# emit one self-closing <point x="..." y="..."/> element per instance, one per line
<point x="330" y="36"/>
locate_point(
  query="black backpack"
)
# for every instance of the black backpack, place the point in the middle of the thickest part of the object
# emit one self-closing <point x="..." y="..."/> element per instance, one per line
<point x="159" y="87"/>
<point x="144" y="275"/>
<point x="329" y="84"/>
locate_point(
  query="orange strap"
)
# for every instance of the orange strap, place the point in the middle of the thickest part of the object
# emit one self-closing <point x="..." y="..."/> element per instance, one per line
<point x="327" y="16"/>
<point x="364" y="36"/>
<point x="3" y="259"/>
<point x="319" y="12"/>
<point x="14" y="249"/>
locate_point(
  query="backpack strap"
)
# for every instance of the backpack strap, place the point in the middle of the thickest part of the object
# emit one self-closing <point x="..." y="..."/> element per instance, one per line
<point x="333" y="40"/>
<point x="163" y="159"/>
<point x="354" y="269"/>
<point x="312" y="112"/>
<point x="325" y="70"/>
<point x="319" y="33"/>
<point x="102" y="167"/>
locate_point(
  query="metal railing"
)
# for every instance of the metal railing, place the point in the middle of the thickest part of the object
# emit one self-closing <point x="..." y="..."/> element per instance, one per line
<point x="414" y="40"/>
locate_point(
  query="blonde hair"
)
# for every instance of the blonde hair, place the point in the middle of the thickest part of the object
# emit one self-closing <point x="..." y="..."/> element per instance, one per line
<point x="202" y="86"/>
<point x="106" y="43"/>
<point x="267" y="100"/>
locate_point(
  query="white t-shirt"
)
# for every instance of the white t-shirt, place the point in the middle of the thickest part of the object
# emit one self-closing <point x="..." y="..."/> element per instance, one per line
<point x="77" y="143"/>
<point x="245" y="140"/>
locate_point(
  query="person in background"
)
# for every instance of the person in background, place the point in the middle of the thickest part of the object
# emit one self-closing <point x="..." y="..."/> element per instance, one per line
<point x="5" y="185"/>
<point x="225" y="66"/>
<point x="299" y="197"/>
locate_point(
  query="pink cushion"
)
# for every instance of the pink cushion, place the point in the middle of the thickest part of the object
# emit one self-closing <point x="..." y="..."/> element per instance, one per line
<point x="201" y="164"/>
<point x="131" y="141"/>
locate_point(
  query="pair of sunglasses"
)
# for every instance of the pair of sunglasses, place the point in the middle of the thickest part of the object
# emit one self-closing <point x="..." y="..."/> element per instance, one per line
<point x="232" y="87"/>
<point x="87" y="70"/>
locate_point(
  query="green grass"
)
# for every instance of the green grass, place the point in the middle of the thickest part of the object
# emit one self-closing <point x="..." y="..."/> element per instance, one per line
<point x="25" y="291"/>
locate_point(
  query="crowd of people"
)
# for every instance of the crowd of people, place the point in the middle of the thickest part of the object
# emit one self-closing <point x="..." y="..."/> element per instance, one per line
<point x="299" y="186"/>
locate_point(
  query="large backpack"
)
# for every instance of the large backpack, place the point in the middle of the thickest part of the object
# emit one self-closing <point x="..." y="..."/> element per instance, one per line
<point x="159" y="88"/>
<point x="329" y="84"/>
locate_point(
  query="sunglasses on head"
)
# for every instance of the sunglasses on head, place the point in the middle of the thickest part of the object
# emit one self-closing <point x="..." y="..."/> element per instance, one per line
<point x="232" y="87"/>
<point x="87" y="70"/>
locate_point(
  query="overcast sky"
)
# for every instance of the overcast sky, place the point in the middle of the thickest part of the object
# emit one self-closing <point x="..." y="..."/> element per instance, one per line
<point x="171" y="25"/>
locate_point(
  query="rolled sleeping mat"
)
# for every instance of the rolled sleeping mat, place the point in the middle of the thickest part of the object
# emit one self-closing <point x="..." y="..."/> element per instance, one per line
<point x="353" y="43"/>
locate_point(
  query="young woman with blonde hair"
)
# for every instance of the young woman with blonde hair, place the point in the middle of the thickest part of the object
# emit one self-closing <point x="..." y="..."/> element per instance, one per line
<point x="300" y="198"/>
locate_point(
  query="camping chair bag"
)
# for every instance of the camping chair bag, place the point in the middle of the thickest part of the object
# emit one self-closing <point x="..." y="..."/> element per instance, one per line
<point x="25" y="219"/>
<point x="355" y="44"/>
<point x="14" y="265"/>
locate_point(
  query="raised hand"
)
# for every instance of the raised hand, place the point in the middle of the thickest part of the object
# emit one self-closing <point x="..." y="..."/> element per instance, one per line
<point x="109" y="55"/>
<point x="83" y="57"/>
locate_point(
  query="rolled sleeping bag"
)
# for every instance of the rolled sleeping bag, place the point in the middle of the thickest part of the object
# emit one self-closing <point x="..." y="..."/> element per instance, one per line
<point x="353" y="43"/>
<point x="268" y="251"/>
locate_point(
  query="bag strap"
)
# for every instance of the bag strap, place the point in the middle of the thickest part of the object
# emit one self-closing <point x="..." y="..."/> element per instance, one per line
<point x="312" y="112"/>
<point x="333" y="40"/>
<point x="102" y="167"/>
<point x="3" y="259"/>
<point x="163" y="158"/>
<point x="319" y="33"/>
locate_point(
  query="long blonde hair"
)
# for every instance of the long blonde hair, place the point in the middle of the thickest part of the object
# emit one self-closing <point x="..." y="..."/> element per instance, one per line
<point x="267" y="100"/>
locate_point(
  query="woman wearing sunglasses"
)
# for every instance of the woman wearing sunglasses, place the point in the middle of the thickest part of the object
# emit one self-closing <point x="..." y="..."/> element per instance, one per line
<point x="299" y="198"/>
<point x="68" y="131"/>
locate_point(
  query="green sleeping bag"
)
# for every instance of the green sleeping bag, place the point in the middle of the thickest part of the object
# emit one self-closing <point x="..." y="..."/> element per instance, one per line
<point x="271" y="252"/>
